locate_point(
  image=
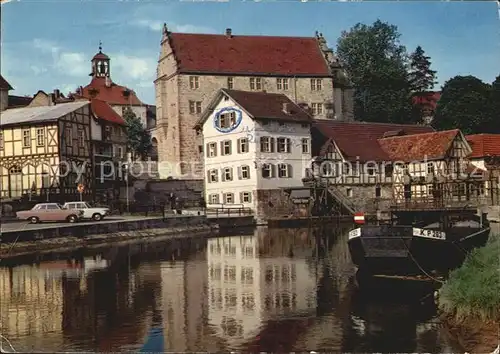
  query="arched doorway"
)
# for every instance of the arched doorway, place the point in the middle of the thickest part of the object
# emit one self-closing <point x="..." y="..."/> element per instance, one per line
<point x="15" y="181"/>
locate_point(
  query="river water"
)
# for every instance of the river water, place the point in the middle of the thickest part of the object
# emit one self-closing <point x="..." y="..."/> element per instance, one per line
<point x="281" y="290"/>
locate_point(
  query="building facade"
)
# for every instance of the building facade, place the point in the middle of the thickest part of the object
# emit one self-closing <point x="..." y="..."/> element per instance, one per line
<point x="4" y="93"/>
<point x="46" y="151"/>
<point x="193" y="67"/>
<point x="254" y="144"/>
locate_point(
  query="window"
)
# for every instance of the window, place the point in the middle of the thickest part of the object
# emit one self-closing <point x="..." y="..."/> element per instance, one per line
<point x="227" y="120"/>
<point x="120" y="152"/>
<point x="243" y="145"/>
<point x="267" y="170"/>
<point x="69" y="136"/>
<point x="225" y="147"/>
<point x="349" y="192"/>
<point x="1" y="140"/>
<point x="195" y="107"/>
<point x="282" y="84"/>
<point x="211" y="149"/>
<point x="230" y="83"/>
<point x="305" y="146"/>
<point x="317" y="108"/>
<point x="213" y="199"/>
<point x="266" y="144"/>
<point x="327" y="169"/>
<point x="430" y="168"/>
<point x="40" y="137"/>
<point x="26" y="138"/>
<point x="244" y="172"/>
<point x="284" y="145"/>
<point x="388" y="170"/>
<point x="245" y="197"/>
<point x="284" y="170"/>
<point x="255" y="83"/>
<point x="378" y="192"/>
<point x="227" y="174"/>
<point x="370" y="170"/>
<point x="194" y="82"/>
<point x="228" y="198"/>
<point x="81" y="138"/>
<point x="316" y="85"/>
<point x="212" y="176"/>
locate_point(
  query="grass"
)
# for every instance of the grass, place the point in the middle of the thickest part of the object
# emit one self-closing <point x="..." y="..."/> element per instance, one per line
<point x="473" y="290"/>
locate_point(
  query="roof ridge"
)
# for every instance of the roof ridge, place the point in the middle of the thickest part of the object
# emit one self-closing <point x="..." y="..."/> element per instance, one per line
<point x="420" y="134"/>
<point x="242" y="35"/>
<point x="372" y="123"/>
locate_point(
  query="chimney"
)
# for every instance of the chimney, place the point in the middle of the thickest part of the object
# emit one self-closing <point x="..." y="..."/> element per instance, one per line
<point x="228" y="33"/>
<point x="286" y="109"/>
<point x="57" y="93"/>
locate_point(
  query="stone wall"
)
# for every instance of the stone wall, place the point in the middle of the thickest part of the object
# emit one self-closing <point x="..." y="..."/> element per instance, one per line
<point x="272" y="203"/>
<point x="364" y="196"/>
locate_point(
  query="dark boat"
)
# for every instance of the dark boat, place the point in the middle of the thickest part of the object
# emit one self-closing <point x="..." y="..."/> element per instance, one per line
<point x="418" y="242"/>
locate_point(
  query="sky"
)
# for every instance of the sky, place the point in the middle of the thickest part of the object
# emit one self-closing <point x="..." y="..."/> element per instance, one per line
<point x="53" y="44"/>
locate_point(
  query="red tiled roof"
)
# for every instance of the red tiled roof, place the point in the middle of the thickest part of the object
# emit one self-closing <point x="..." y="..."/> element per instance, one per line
<point x="428" y="99"/>
<point x="263" y="55"/>
<point x="104" y="111"/>
<point x="4" y="85"/>
<point x="100" y="55"/>
<point x="358" y="139"/>
<point x="484" y="145"/>
<point x="112" y="94"/>
<point x="263" y="105"/>
<point x="419" y="147"/>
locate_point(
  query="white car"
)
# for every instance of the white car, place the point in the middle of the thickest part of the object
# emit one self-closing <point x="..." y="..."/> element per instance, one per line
<point x="94" y="213"/>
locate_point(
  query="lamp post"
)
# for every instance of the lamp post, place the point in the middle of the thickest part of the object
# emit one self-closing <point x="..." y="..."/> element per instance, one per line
<point x="126" y="167"/>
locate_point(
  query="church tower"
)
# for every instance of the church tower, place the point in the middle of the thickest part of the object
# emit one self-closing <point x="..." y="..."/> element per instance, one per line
<point x="100" y="65"/>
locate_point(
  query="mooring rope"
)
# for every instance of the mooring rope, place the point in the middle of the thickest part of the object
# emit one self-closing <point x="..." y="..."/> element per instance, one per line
<point x="418" y="265"/>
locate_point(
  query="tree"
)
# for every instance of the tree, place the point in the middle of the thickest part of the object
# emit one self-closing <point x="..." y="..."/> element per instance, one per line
<point x="421" y="77"/>
<point x="495" y="105"/>
<point x="138" y="138"/>
<point x="465" y="104"/>
<point x="376" y="64"/>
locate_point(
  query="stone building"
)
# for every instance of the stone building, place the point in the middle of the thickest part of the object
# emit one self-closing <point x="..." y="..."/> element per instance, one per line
<point x="193" y="67"/>
<point x="254" y="144"/>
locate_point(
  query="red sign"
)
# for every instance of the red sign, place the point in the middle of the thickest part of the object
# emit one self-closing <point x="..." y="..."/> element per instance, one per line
<point x="359" y="218"/>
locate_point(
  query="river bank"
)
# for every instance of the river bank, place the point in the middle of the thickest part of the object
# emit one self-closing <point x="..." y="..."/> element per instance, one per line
<point x="469" y="301"/>
<point x="61" y="244"/>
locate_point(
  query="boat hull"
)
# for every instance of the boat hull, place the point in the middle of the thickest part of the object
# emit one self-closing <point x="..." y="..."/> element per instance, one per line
<point x="401" y="250"/>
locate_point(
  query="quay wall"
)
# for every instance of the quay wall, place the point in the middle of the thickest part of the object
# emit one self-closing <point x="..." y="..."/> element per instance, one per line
<point x="65" y="238"/>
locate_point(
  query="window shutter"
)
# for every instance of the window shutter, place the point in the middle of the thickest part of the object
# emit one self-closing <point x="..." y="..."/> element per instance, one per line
<point x="248" y="171"/>
<point x="238" y="142"/>
<point x="231" y="174"/>
<point x="230" y="147"/>
<point x="272" y="143"/>
<point x="262" y="169"/>
<point x="240" y="175"/>
<point x="290" y="171"/>
<point x="221" y="148"/>
<point x="273" y="170"/>
<point x="223" y="177"/>
<point x="262" y="144"/>
<point x="208" y="176"/>
<point x="288" y="145"/>
<point x="241" y="197"/>
<point x="208" y="150"/>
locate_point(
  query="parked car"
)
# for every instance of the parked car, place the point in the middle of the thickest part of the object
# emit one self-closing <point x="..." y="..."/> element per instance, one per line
<point x="89" y="212"/>
<point x="49" y="212"/>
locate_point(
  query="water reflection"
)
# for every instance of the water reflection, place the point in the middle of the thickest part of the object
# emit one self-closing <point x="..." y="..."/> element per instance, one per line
<point x="285" y="290"/>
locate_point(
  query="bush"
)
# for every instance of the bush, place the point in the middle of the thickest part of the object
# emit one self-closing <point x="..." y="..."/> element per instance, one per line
<point x="473" y="290"/>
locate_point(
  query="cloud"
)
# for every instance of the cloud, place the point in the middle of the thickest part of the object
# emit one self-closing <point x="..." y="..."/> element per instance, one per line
<point x="157" y="26"/>
<point x="134" y="68"/>
<point x="73" y="64"/>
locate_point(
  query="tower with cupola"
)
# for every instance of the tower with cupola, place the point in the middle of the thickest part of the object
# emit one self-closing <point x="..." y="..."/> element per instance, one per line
<point x="100" y="64"/>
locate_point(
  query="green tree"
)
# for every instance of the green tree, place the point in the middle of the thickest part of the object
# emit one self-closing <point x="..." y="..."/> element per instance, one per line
<point x="495" y="105"/>
<point x="465" y="104"/>
<point x="421" y="77"/>
<point x="138" y="138"/>
<point x="376" y="64"/>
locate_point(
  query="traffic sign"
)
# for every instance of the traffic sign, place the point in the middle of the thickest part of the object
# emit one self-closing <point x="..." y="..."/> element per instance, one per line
<point x="359" y="218"/>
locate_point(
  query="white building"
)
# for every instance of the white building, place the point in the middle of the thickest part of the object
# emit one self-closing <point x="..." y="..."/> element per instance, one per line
<point x="254" y="143"/>
<point x="244" y="291"/>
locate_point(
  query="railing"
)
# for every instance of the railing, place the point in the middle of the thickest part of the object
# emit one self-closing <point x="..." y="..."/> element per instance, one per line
<point x="337" y="194"/>
<point x="225" y="211"/>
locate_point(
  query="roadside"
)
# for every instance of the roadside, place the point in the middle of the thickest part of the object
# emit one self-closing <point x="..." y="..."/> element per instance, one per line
<point x="469" y="301"/>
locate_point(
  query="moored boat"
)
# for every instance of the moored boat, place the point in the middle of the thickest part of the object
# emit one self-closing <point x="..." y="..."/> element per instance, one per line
<point x="418" y="242"/>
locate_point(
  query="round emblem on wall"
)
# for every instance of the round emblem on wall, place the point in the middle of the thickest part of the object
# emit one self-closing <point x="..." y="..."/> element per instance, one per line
<point x="227" y="119"/>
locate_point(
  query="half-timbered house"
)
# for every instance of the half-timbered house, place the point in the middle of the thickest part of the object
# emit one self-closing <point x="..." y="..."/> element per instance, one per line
<point x="46" y="151"/>
<point x="350" y="160"/>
